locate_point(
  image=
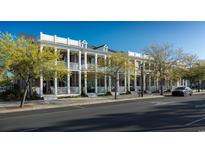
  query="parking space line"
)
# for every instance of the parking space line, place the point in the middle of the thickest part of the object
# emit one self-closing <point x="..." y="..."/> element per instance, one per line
<point x="195" y="121"/>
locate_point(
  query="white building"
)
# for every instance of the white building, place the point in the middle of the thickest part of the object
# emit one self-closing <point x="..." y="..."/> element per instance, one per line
<point x="78" y="57"/>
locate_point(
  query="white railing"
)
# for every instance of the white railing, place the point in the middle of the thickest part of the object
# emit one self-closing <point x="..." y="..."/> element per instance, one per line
<point x="74" y="42"/>
<point x="83" y="67"/>
<point x="47" y="37"/>
<point x="121" y="89"/>
<point x="153" y="88"/>
<point x="74" y="66"/>
<point x="62" y="90"/>
<point x="74" y="90"/>
<point x="101" y="89"/>
<point x="91" y="66"/>
<point x="101" y="69"/>
<point x="61" y="40"/>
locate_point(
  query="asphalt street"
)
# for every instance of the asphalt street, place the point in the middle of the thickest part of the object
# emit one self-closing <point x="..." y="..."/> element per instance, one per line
<point x="167" y="114"/>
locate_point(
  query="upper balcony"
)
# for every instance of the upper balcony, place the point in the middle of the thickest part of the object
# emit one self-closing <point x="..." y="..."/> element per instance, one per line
<point x="60" y="40"/>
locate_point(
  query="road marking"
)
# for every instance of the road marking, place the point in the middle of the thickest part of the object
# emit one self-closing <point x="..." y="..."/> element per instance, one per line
<point x="199" y="106"/>
<point x="30" y="129"/>
<point x="162" y="103"/>
<point x="195" y="121"/>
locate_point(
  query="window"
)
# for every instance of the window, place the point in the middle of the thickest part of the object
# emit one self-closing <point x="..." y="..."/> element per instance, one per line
<point x="105" y="48"/>
<point x="84" y="44"/>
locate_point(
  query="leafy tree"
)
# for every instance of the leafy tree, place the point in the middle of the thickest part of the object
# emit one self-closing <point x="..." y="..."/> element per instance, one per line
<point x="113" y="65"/>
<point x="191" y="69"/>
<point x="23" y="58"/>
<point x="163" y="58"/>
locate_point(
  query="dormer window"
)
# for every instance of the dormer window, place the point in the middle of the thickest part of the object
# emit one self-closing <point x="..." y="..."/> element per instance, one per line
<point x="84" y="44"/>
<point x="105" y="48"/>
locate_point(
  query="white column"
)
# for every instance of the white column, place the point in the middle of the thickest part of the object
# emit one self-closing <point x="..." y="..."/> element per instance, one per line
<point x="135" y="76"/>
<point x="186" y="84"/>
<point x="118" y="82"/>
<point x="128" y="80"/>
<point x="109" y="81"/>
<point x="110" y="84"/>
<point x="79" y="60"/>
<point x="125" y="81"/>
<point x="68" y="66"/>
<point x="55" y="79"/>
<point x="150" y="83"/>
<point x="144" y="76"/>
<point x="149" y="78"/>
<point x="85" y="73"/>
<point x="105" y="79"/>
<point x="41" y="78"/>
<point x="96" y="80"/>
<point x="79" y="64"/>
<point x="157" y="84"/>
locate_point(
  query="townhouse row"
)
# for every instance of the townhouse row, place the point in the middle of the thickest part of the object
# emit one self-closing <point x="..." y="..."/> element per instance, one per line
<point x="78" y="56"/>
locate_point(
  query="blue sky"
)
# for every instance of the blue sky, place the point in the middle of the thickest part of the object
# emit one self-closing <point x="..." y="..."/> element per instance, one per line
<point x="134" y="36"/>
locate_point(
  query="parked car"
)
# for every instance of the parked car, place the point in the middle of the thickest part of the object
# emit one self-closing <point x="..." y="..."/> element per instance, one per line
<point x="182" y="91"/>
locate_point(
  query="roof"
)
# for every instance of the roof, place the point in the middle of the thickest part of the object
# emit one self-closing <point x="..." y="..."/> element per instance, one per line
<point x="99" y="46"/>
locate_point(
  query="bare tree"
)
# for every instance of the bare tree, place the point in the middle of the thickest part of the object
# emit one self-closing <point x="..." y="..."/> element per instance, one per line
<point x="163" y="57"/>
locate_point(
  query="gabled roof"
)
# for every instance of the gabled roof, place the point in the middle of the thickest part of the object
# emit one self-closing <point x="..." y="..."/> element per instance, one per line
<point x="100" y="46"/>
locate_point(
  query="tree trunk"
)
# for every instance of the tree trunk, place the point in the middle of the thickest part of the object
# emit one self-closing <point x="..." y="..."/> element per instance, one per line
<point x="190" y="84"/>
<point x="25" y="93"/>
<point x="116" y="89"/>
<point x="198" y="86"/>
<point x="161" y="87"/>
<point x="30" y="92"/>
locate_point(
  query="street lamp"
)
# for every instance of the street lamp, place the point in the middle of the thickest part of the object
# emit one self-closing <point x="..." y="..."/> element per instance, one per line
<point x="142" y="78"/>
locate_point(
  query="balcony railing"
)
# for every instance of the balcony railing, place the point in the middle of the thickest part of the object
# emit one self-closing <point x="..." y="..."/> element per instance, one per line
<point x="121" y="89"/>
<point x="62" y="90"/>
<point x="74" y="66"/>
<point x="101" y="89"/>
<point x="91" y="66"/>
<point x="74" y="90"/>
<point x="61" y="40"/>
<point x="101" y="69"/>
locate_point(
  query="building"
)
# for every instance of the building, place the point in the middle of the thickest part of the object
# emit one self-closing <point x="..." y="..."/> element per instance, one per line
<point x="78" y="56"/>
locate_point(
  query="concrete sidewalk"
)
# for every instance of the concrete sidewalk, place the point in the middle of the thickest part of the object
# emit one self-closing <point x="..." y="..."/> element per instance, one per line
<point x="6" y="107"/>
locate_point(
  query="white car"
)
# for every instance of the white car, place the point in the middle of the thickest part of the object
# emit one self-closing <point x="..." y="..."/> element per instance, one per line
<point x="182" y="91"/>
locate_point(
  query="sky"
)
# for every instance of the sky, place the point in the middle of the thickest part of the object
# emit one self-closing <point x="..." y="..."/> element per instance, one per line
<point x="132" y="36"/>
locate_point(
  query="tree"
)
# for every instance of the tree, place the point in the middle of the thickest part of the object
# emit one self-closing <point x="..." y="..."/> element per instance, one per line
<point x="113" y="65"/>
<point x="191" y="69"/>
<point x="163" y="57"/>
<point x="23" y="58"/>
<point x="194" y="75"/>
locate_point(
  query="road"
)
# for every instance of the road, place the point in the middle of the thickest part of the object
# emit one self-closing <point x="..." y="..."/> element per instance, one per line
<point x="179" y="114"/>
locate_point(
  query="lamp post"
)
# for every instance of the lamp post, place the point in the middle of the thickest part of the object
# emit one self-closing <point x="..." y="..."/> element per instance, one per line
<point x="142" y="78"/>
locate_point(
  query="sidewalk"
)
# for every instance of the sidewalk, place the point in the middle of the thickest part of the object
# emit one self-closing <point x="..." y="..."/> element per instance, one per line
<point x="6" y="107"/>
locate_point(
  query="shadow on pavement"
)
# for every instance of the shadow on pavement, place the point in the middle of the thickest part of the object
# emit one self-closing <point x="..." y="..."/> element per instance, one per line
<point x="170" y="117"/>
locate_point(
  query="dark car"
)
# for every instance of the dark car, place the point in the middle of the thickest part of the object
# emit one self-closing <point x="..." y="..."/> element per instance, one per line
<point x="182" y="91"/>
